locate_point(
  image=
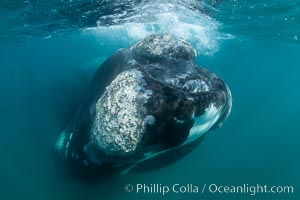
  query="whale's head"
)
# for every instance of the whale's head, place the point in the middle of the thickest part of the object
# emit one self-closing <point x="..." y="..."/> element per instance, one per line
<point x="199" y="94"/>
<point x="144" y="102"/>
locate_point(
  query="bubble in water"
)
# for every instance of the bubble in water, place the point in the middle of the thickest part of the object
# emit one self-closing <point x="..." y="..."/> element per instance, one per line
<point x="158" y="17"/>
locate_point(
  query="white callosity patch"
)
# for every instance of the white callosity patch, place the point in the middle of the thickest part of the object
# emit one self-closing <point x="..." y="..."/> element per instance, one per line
<point x="164" y="46"/>
<point x="195" y="86"/>
<point x="203" y="123"/>
<point x="191" y="86"/>
<point x="150" y="119"/>
<point x="119" y="124"/>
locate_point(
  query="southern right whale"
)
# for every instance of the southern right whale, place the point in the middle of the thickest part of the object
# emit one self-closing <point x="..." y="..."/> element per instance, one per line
<point x="147" y="106"/>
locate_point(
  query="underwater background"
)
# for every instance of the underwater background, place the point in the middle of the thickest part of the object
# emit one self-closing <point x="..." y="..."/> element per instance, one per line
<point x="49" y="51"/>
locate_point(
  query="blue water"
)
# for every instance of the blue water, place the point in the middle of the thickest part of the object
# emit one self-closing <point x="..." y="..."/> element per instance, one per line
<point x="49" y="51"/>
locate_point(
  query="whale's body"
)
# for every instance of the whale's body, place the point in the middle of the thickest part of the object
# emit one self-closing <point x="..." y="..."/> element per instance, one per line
<point x="146" y="106"/>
